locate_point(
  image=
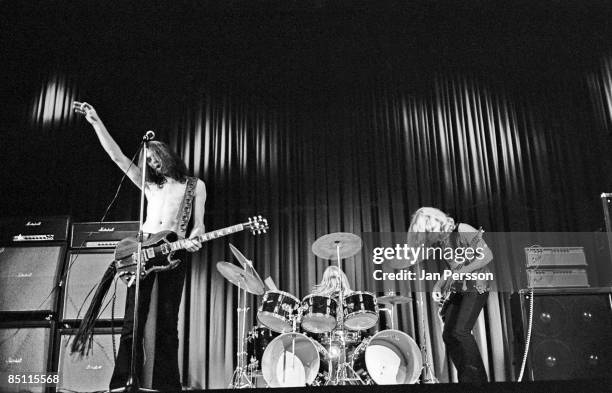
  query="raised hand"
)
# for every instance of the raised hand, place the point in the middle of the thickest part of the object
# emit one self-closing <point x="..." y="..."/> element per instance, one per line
<point x="90" y="113"/>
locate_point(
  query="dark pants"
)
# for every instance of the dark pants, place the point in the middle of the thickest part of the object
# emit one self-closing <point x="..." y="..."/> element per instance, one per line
<point x="459" y="320"/>
<point x="165" y="368"/>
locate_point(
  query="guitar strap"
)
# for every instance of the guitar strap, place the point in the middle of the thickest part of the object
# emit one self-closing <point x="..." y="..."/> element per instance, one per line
<point x="184" y="212"/>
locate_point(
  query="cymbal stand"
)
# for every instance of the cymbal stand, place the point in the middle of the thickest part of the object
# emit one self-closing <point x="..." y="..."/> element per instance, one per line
<point x="342" y="373"/>
<point x="427" y="369"/>
<point x="391" y="312"/>
<point x="240" y="377"/>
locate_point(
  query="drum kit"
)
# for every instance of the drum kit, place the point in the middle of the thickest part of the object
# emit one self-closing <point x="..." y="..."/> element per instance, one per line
<point x="320" y="340"/>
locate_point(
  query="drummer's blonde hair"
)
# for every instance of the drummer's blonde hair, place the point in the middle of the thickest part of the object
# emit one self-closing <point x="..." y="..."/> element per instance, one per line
<point x="328" y="286"/>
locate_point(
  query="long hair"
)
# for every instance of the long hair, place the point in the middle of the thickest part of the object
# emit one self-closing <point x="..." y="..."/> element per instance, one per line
<point x="172" y="165"/>
<point x="330" y="283"/>
<point x="428" y="220"/>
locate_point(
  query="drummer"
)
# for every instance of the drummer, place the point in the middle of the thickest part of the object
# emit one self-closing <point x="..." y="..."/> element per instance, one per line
<point x="330" y="283"/>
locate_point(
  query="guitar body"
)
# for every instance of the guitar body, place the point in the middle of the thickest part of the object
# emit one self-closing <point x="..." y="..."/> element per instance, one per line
<point x="447" y="290"/>
<point x="126" y="254"/>
<point x="158" y="250"/>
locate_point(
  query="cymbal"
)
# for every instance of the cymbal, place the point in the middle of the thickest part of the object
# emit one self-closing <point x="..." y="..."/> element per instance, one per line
<point x="241" y="258"/>
<point x="393" y="298"/>
<point x="325" y="246"/>
<point x="247" y="265"/>
<point x="240" y="278"/>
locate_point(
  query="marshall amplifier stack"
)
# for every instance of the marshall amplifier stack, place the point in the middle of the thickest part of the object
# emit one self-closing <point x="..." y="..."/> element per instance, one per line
<point x="32" y="253"/>
<point x="48" y="268"/>
<point x="91" y="251"/>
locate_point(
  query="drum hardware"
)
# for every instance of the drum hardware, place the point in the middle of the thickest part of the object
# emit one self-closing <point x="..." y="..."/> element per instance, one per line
<point x="427" y="369"/>
<point x="427" y="372"/>
<point x="336" y="246"/>
<point x="247" y="281"/>
<point x="392" y="298"/>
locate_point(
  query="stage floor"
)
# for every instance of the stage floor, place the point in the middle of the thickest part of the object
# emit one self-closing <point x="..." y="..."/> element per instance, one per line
<point x="582" y="386"/>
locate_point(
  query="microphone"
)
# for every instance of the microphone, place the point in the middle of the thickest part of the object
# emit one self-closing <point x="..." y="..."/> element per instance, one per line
<point x="148" y="136"/>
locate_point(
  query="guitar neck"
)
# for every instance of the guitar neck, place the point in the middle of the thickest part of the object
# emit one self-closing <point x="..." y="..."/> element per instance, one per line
<point x="180" y="244"/>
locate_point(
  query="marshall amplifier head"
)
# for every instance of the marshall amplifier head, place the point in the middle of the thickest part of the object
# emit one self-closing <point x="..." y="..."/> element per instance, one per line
<point x="34" y="229"/>
<point x="101" y="234"/>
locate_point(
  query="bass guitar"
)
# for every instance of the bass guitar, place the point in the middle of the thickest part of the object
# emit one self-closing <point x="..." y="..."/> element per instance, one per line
<point x="157" y="253"/>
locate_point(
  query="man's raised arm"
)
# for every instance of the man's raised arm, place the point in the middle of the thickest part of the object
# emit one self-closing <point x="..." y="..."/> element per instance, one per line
<point x="108" y="143"/>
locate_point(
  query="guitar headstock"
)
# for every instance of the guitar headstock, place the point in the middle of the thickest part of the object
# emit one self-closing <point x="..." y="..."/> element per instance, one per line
<point x="257" y="225"/>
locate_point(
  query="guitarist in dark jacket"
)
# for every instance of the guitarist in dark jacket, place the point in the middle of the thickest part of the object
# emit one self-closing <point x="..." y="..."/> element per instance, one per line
<point x="465" y="298"/>
<point x="165" y="189"/>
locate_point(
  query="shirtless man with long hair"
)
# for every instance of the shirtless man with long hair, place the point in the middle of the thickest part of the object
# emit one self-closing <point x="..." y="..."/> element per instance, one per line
<point x="165" y="186"/>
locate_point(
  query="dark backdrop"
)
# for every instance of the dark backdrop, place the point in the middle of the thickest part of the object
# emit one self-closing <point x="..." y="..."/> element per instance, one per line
<point x="322" y="116"/>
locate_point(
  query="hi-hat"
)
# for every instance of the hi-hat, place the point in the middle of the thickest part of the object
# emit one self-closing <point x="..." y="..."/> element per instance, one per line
<point x="326" y="246"/>
<point x="241" y="278"/>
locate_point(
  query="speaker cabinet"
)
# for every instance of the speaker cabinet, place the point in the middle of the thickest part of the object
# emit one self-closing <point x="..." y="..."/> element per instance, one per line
<point x="24" y="349"/>
<point x="84" y="269"/>
<point x="571" y="333"/>
<point x="28" y="277"/>
<point x="91" y="373"/>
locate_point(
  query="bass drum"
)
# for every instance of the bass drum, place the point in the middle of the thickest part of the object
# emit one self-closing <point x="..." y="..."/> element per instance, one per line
<point x="389" y="357"/>
<point x="293" y="359"/>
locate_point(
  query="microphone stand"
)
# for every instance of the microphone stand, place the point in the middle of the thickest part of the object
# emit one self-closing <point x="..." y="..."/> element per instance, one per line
<point x="133" y="385"/>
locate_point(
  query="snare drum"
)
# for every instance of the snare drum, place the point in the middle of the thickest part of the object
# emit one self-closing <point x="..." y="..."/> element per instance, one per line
<point x="389" y="357"/>
<point x="258" y="339"/>
<point x="360" y="310"/>
<point x="277" y="311"/>
<point x="318" y="313"/>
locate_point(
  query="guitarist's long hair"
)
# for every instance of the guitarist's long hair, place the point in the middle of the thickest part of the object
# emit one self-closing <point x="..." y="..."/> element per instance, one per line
<point x="428" y="220"/>
<point x="173" y="165"/>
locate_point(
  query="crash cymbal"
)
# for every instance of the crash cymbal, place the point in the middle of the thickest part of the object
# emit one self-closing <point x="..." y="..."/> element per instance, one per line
<point x="325" y="246"/>
<point x="393" y="298"/>
<point x="246" y="264"/>
<point x="241" y="278"/>
<point x="239" y="256"/>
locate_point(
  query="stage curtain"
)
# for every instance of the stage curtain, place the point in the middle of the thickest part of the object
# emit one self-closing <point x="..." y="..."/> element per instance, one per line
<point x="361" y="159"/>
<point x="505" y="155"/>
